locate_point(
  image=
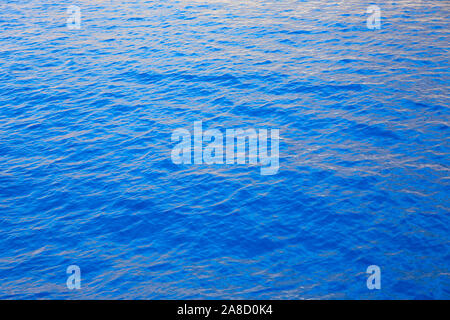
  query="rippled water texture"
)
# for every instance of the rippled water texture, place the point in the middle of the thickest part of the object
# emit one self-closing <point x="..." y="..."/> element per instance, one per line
<point x="86" y="177"/>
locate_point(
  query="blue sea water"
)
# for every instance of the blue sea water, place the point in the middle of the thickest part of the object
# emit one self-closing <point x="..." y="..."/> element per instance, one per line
<point x="86" y="176"/>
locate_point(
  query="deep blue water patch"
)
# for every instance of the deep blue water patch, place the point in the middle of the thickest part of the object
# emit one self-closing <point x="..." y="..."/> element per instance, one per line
<point x="86" y="177"/>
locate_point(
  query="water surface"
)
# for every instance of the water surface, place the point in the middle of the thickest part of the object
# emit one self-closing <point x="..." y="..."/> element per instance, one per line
<point x="86" y="177"/>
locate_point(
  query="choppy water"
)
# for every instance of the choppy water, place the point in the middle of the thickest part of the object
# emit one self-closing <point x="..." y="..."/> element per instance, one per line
<point x="86" y="177"/>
